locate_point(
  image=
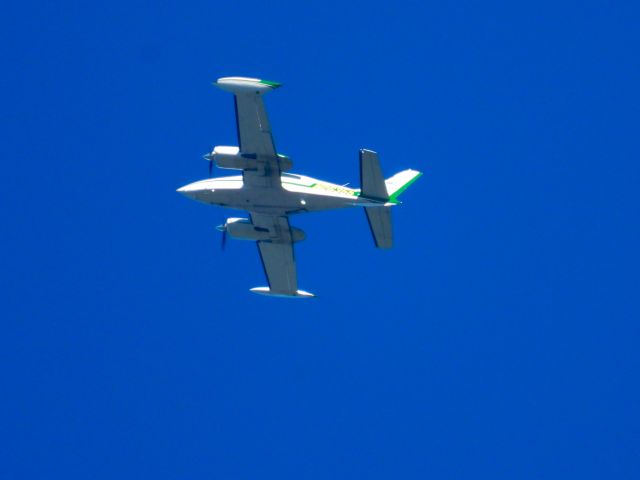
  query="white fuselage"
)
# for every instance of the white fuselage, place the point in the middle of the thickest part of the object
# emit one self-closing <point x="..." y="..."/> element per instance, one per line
<point x="298" y="194"/>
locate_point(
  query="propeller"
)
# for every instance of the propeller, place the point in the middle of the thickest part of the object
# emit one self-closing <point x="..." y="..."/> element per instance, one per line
<point x="223" y="228"/>
<point x="209" y="157"/>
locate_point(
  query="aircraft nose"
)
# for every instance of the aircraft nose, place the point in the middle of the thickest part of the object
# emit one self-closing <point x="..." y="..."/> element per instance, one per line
<point x="187" y="191"/>
<point x="196" y="190"/>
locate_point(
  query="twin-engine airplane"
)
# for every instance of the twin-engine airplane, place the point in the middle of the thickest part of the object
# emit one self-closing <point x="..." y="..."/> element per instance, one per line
<point x="269" y="193"/>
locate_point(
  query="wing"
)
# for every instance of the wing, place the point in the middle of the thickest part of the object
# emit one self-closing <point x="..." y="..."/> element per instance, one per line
<point x="277" y="254"/>
<point x="254" y="130"/>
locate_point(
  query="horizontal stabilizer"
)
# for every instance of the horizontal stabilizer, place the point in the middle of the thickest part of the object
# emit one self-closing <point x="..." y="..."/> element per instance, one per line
<point x="268" y="292"/>
<point x="372" y="184"/>
<point x="379" y="219"/>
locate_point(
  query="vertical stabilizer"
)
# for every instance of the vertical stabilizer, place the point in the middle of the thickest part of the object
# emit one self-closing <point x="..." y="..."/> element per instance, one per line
<point x="400" y="182"/>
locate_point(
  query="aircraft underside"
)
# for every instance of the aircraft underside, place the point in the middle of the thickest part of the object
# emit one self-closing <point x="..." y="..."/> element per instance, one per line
<point x="279" y="203"/>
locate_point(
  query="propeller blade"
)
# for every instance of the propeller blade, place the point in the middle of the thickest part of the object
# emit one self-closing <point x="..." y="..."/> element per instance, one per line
<point x="210" y="168"/>
<point x="224" y="239"/>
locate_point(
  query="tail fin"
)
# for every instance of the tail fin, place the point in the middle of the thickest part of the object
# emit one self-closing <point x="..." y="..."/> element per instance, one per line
<point x="400" y="182"/>
<point x="374" y="187"/>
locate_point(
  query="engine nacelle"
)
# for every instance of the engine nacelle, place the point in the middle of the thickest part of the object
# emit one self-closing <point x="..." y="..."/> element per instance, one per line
<point x="243" y="229"/>
<point x="231" y="158"/>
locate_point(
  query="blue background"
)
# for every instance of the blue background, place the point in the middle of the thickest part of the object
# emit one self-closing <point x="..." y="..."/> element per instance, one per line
<point x="499" y="339"/>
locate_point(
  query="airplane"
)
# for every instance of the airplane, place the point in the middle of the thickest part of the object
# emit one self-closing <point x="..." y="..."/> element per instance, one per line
<point x="270" y="193"/>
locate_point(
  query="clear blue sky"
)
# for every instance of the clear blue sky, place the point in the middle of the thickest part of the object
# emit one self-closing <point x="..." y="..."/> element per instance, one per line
<point x="499" y="339"/>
